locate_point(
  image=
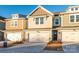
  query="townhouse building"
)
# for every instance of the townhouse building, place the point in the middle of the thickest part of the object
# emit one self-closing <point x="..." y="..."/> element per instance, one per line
<point x="15" y="26"/>
<point x="68" y="30"/>
<point x="42" y="25"/>
<point x="45" y="26"/>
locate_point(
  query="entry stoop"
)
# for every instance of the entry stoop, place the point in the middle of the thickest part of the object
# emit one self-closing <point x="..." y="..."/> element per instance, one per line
<point x="54" y="45"/>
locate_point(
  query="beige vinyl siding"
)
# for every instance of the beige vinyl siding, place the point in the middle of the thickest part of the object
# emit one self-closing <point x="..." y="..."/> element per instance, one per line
<point x="66" y="21"/>
<point x="47" y="22"/>
<point x="21" y="24"/>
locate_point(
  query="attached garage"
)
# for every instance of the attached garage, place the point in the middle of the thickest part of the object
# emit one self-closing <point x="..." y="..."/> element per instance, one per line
<point x="70" y="35"/>
<point x="41" y="36"/>
<point x="14" y="36"/>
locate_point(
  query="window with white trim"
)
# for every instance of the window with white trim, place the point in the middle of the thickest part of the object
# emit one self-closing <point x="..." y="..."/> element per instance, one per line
<point x="72" y="18"/>
<point x="74" y="9"/>
<point x="14" y="23"/>
<point x="39" y="20"/>
<point x="77" y="18"/>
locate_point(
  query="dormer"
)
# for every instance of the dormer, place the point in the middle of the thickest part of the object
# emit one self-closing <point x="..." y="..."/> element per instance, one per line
<point x="17" y="16"/>
<point x="72" y="9"/>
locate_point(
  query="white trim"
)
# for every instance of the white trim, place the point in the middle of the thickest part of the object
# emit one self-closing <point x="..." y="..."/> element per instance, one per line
<point x="42" y="8"/>
<point x="61" y="20"/>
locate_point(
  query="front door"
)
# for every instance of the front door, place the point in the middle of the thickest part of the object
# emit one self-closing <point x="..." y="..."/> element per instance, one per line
<point x="54" y="35"/>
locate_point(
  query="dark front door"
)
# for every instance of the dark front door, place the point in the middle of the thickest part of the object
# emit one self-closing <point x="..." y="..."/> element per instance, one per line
<point x="54" y="35"/>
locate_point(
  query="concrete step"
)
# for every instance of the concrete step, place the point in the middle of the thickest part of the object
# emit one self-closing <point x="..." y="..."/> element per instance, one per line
<point x="54" y="45"/>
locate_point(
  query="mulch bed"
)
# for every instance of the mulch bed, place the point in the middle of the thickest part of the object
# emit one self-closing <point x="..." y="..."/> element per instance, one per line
<point x="54" y="45"/>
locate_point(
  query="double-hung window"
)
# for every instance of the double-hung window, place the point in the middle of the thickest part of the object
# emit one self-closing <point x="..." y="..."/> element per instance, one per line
<point x="77" y="18"/>
<point x="72" y="18"/>
<point x="39" y="20"/>
<point x="14" y="23"/>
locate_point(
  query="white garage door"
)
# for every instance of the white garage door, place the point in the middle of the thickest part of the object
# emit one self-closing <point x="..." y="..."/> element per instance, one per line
<point x="38" y="37"/>
<point x="14" y="36"/>
<point x="70" y="36"/>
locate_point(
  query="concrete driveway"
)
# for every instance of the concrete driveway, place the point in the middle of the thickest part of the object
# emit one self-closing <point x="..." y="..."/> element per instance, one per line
<point x="72" y="48"/>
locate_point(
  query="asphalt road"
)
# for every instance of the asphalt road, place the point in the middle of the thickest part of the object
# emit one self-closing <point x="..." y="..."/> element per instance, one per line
<point x="39" y="48"/>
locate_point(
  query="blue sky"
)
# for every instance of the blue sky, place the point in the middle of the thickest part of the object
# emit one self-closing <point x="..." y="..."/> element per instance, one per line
<point x="6" y="10"/>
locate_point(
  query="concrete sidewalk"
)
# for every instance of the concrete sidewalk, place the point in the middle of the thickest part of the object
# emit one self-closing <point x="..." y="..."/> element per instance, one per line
<point x="27" y="45"/>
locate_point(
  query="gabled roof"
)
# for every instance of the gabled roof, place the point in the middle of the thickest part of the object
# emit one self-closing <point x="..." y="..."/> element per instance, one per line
<point x="41" y="8"/>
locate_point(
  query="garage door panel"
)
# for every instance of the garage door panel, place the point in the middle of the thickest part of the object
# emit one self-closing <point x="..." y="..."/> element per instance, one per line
<point x="72" y="36"/>
<point x="14" y="36"/>
<point x="45" y="36"/>
<point x="39" y="37"/>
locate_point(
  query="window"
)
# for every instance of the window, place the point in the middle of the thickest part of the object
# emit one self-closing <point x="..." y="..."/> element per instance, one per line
<point x="72" y="18"/>
<point x="72" y="9"/>
<point x="57" y="21"/>
<point x="39" y="20"/>
<point x="14" y="23"/>
<point x="76" y="9"/>
<point x="77" y="18"/>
